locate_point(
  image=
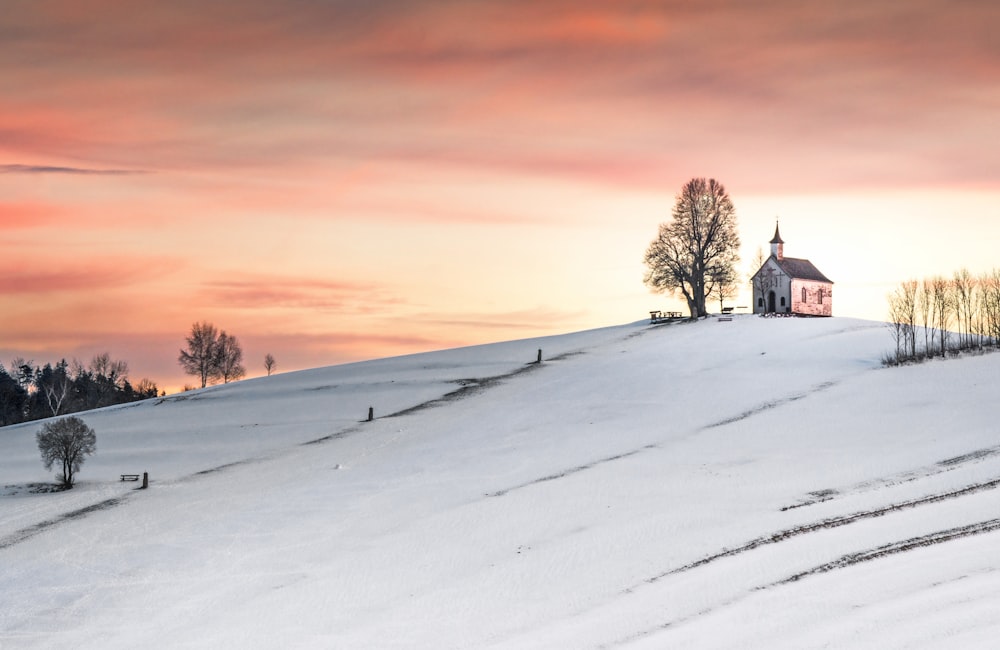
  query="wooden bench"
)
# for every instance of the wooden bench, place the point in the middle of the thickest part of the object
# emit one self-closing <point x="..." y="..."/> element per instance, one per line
<point x="130" y="477"/>
<point x="656" y="317"/>
<point x="727" y="310"/>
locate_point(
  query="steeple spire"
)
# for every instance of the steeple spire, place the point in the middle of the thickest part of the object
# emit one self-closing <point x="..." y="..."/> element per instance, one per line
<point x="777" y="244"/>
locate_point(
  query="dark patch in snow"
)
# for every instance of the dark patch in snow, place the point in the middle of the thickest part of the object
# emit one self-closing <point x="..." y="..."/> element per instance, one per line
<point x="333" y="436"/>
<point x="573" y="470"/>
<point x="564" y="355"/>
<point x="468" y="388"/>
<point x="901" y="546"/>
<point x="971" y="456"/>
<point x="26" y="533"/>
<point x="318" y="388"/>
<point x="767" y="406"/>
<point x="213" y="470"/>
<point x="818" y="496"/>
<point x="32" y="488"/>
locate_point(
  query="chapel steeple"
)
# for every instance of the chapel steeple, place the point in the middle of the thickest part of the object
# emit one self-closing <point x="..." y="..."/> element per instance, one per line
<point x="777" y="244"/>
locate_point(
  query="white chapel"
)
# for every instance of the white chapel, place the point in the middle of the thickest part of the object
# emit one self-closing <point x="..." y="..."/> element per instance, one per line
<point x="789" y="285"/>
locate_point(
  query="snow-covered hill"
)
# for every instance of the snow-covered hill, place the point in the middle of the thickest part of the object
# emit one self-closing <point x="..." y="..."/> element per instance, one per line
<point x="756" y="483"/>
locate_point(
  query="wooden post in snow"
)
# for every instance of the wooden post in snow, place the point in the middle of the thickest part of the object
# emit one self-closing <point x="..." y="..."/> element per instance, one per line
<point x="145" y="480"/>
<point x="539" y="356"/>
<point x="371" y="413"/>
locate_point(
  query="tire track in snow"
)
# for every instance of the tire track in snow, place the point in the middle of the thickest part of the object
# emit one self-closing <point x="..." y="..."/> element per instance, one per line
<point x="773" y="404"/>
<point x="24" y="534"/>
<point x="850" y="559"/>
<point x="573" y="470"/>
<point x="824" y="524"/>
<point x="469" y="387"/>
<point x="946" y="465"/>
<point x="892" y="548"/>
<point x="477" y="385"/>
<point x="766" y="406"/>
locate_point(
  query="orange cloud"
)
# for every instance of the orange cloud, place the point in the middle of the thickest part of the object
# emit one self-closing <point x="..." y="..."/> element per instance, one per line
<point x="298" y="293"/>
<point x="24" y="214"/>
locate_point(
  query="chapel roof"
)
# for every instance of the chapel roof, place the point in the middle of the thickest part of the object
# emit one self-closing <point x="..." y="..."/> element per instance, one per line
<point x="801" y="269"/>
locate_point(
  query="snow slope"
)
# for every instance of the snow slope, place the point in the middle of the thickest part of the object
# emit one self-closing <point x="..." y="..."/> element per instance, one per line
<point x="756" y="483"/>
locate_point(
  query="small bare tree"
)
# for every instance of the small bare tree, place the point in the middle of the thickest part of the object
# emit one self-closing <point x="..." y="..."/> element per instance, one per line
<point x="67" y="441"/>
<point x="269" y="363"/>
<point x="229" y="358"/>
<point x="965" y="303"/>
<point x="757" y="282"/>
<point x="56" y="385"/>
<point x="907" y="311"/>
<point x="903" y="316"/>
<point x="990" y="306"/>
<point x="723" y="285"/>
<point x="925" y="314"/>
<point x="108" y="375"/>
<point x="943" y="297"/>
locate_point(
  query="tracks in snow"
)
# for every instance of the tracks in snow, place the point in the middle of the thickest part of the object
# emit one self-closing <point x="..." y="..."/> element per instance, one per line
<point x="931" y="539"/>
<point x="24" y="534"/>
<point x="469" y="387"/>
<point x="832" y="522"/>
<point x="946" y="465"/>
<point x="760" y="408"/>
<point x="850" y="559"/>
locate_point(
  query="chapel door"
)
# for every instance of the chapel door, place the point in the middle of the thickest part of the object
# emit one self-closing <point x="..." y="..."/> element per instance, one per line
<point x="770" y="303"/>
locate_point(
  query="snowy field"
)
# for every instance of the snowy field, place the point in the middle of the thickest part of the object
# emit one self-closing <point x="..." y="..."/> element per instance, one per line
<point x="760" y="483"/>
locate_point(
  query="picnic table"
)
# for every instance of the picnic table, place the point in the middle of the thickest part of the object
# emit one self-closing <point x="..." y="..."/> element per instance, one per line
<point x="664" y="316"/>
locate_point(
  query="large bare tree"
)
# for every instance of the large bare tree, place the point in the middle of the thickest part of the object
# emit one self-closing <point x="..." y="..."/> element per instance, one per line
<point x="698" y="248"/>
<point x="200" y="357"/>
<point x="67" y="442"/>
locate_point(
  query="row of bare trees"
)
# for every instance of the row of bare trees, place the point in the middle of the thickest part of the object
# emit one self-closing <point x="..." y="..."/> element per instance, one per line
<point x="212" y="355"/>
<point x="938" y="315"/>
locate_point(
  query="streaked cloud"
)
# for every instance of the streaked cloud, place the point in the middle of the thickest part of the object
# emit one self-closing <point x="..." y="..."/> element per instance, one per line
<point x="49" y="169"/>
<point x="300" y="293"/>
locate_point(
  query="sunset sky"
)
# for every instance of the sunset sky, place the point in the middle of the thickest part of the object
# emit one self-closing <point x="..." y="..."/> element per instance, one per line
<point x="339" y="180"/>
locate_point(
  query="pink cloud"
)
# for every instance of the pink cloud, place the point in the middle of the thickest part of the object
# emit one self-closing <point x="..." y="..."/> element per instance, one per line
<point x="36" y="282"/>
<point x="298" y="293"/>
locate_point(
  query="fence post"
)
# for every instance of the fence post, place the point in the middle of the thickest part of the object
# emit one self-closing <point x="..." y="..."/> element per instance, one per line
<point x="539" y="356"/>
<point x="371" y="413"/>
<point x="145" y="480"/>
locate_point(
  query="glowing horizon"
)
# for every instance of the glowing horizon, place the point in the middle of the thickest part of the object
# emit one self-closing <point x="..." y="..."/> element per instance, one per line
<point x="339" y="181"/>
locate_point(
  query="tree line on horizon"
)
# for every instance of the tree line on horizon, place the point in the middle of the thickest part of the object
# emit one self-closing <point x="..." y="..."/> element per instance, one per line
<point x="941" y="315"/>
<point x="31" y="392"/>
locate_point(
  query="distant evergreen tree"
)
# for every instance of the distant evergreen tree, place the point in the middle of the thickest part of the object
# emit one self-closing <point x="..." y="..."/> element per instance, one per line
<point x="32" y="393"/>
<point x="13" y="399"/>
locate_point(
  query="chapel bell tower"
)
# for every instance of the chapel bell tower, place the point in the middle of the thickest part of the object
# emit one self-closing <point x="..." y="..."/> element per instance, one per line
<point x="777" y="245"/>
